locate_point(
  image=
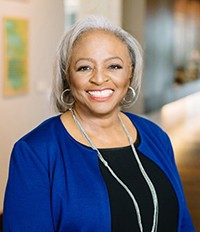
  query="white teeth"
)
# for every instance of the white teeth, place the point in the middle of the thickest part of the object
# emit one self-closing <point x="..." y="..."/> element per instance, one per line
<point x="103" y="93"/>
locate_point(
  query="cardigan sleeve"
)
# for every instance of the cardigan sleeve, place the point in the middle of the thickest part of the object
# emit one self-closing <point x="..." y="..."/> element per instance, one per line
<point x="185" y="223"/>
<point x="27" y="198"/>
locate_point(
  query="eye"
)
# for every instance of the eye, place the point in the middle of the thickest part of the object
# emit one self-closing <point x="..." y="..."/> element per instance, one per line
<point x="115" y="66"/>
<point x="83" y="68"/>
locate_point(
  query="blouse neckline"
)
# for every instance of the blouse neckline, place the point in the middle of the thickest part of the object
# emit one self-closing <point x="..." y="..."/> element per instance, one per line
<point x="136" y="142"/>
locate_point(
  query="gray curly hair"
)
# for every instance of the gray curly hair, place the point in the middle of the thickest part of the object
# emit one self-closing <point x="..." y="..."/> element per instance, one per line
<point x="62" y="62"/>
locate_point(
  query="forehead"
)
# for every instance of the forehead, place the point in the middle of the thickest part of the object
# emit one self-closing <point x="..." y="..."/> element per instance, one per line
<point x="99" y="45"/>
<point x="98" y="34"/>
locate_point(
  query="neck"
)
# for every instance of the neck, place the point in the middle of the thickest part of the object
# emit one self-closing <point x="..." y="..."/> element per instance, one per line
<point x="97" y="121"/>
<point x="104" y="132"/>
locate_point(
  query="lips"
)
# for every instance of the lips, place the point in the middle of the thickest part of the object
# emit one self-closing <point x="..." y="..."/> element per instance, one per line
<point x="101" y="93"/>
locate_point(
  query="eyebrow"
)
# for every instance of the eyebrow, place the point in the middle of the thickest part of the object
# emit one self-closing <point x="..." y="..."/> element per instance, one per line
<point x="92" y="60"/>
<point x="113" y="58"/>
<point x="84" y="59"/>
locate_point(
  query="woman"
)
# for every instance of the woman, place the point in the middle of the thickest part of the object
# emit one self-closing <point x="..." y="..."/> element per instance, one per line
<point x="94" y="167"/>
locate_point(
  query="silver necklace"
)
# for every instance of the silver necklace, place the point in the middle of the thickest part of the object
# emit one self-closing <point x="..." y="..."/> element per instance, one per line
<point x="146" y="177"/>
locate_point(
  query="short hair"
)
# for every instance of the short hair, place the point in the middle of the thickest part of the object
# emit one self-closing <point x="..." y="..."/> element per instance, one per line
<point x="62" y="62"/>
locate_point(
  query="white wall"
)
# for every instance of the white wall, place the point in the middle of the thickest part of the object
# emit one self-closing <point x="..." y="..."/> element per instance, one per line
<point x="21" y="113"/>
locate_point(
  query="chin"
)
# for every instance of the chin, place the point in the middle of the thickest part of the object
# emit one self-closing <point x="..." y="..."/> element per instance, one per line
<point x="103" y="110"/>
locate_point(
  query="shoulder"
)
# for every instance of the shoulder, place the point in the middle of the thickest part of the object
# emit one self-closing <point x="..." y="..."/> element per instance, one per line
<point x="143" y="123"/>
<point x="149" y="131"/>
<point x="43" y="131"/>
<point x="154" y="143"/>
<point x="41" y="138"/>
<point x="40" y="144"/>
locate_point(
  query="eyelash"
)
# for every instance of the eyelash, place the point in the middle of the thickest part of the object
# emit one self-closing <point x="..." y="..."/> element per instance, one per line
<point x="86" y="68"/>
<point x="115" y="66"/>
<point x="83" y="68"/>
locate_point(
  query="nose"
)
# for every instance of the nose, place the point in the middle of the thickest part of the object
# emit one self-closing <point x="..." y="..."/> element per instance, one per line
<point x="99" y="77"/>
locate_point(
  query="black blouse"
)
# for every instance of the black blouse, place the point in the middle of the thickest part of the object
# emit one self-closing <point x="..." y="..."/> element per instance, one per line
<point x="123" y="215"/>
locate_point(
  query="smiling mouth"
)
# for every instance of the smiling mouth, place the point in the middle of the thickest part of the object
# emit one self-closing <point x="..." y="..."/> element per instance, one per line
<point x="101" y="93"/>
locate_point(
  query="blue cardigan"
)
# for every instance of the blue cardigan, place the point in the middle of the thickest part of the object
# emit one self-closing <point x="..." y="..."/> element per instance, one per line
<point x="55" y="183"/>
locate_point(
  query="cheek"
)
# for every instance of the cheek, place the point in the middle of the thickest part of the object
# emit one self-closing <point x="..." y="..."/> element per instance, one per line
<point x="124" y="80"/>
<point x="77" y="86"/>
<point x="73" y="81"/>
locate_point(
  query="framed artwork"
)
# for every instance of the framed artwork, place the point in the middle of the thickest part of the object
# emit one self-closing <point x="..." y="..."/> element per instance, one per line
<point x="15" y="56"/>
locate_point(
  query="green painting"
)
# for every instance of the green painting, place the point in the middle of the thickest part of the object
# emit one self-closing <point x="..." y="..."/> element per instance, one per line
<point x="15" y="56"/>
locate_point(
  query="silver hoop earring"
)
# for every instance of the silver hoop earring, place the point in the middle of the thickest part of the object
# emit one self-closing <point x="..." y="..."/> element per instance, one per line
<point x="130" y="96"/>
<point x="67" y="100"/>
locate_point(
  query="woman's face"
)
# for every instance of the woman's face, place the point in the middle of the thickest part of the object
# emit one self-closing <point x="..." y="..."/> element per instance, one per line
<point x="99" y="72"/>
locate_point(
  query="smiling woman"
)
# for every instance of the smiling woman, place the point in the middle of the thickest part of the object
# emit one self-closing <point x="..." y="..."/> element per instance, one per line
<point x="95" y="167"/>
<point x="100" y="72"/>
<point x="71" y="41"/>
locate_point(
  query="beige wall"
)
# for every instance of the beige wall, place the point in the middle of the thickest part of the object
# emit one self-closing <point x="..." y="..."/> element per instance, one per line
<point x="134" y="18"/>
<point x="112" y="9"/>
<point x="21" y="113"/>
<point x="133" y="21"/>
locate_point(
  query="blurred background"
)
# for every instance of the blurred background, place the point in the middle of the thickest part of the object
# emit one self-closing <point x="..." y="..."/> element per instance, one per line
<point x="169" y="32"/>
